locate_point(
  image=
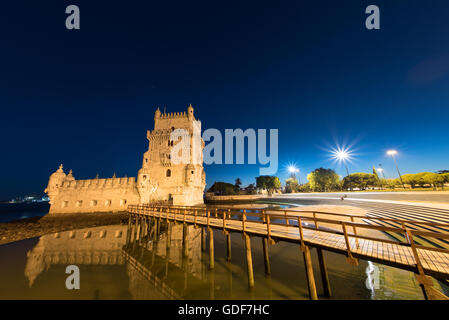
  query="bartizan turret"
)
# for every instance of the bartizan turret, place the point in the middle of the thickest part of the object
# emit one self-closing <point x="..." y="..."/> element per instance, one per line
<point x="54" y="183"/>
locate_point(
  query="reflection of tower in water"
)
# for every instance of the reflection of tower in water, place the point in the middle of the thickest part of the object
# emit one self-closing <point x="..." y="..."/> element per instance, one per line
<point x="104" y="246"/>
<point x="93" y="246"/>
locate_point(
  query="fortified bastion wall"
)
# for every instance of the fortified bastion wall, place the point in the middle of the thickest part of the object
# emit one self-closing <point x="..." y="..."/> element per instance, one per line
<point x="69" y="195"/>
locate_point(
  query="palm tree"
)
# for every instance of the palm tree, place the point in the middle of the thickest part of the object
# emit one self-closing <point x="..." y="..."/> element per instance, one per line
<point x="238" y="182"/>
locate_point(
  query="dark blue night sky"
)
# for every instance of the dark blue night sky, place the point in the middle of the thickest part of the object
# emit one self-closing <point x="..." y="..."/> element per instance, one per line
<point x="85" y="98"/>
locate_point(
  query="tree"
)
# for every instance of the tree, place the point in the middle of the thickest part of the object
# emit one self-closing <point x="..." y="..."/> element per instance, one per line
<point x="445" y="177"/>
<point x="434" y="179"/>
<point x="322" y="179"/>
<point x="238" y="182"/>
<point x="270" y="183"/>
<point x="411" y="179"/>
<point x="424" y="179"/>
<point x="375" y="173"/>
<point x="360" y="180"/>
<point x="304" y="188"/>
<point x="223" y="189"/>
<point x="251" y="189"/>
<point x="291" y="185"/>
<point x="392" y="183"/>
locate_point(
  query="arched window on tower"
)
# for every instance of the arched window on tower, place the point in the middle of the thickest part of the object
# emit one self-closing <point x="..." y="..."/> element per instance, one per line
<point x="168" y="173"/>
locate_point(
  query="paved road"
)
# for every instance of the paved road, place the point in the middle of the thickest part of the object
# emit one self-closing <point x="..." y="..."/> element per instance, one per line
<point x="441" y="196"/>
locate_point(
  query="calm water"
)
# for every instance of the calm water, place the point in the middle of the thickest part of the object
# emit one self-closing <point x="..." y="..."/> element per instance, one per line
<point x="16" y="211"/>
<point x="111" y="268"/>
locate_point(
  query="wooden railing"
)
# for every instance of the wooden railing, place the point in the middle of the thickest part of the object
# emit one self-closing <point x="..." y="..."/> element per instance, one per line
<point x="303" y="220"/>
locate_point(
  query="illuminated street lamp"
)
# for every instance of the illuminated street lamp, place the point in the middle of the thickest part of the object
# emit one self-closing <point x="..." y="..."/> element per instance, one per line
<point x="293" y="171"/>
<point x="381" y="170"/>
<point x="343" y="155"/>
<point x="393" y="154"/>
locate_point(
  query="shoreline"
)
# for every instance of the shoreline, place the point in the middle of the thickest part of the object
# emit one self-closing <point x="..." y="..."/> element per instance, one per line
<point x="22" y="229"/>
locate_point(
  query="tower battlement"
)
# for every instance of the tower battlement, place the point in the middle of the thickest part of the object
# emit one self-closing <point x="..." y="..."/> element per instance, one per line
<point x="100" y="183"/>
<point x="173" y="115"/>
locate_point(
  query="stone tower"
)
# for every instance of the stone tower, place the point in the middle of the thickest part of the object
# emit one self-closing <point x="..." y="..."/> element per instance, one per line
<point x="163" y="180"/>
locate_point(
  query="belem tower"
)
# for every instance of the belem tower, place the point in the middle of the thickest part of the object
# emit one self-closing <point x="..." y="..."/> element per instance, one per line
<point x="159" y="180"/>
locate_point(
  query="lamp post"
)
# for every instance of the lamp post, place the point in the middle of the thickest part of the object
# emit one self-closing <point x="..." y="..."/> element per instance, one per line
<point x="393" y="154"/>
<point x="293" y="171"/>
<point x="381" y="170"/>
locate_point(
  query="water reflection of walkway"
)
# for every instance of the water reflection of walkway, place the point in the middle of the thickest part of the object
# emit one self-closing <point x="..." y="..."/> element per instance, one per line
<point x="158" y="254"/>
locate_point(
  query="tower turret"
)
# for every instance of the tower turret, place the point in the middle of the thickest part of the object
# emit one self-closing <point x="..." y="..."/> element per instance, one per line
<point x="54" y="183"/>
<point x="190" y="112"/>
<point x="70" y="176"/>
<point x="157" y="115"/>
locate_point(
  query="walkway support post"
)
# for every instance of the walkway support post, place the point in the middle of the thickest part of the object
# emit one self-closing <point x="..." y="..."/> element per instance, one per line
<point x="324" y="274"/>
<point x="203" y="239"/>
<point x="266" y="256"/>
<point x="228" y="246"/>
<point x="309" y="274"/>
<point x="139" y="233"/>
<point x="350" y="259"/>
<point x="154" y="230"/>
<point x="128" y="233"/>
<point x="249" y="260"/>
<point x="135" y="228"/>
<point x="144" y="228"/>
<point x="185" y="241"/>
<point x="211" y="249"/>
<point x="168" y="235"/>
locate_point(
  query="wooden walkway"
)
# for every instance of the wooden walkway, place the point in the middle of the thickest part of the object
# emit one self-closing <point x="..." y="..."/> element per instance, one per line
<point x="344" y="234"/>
